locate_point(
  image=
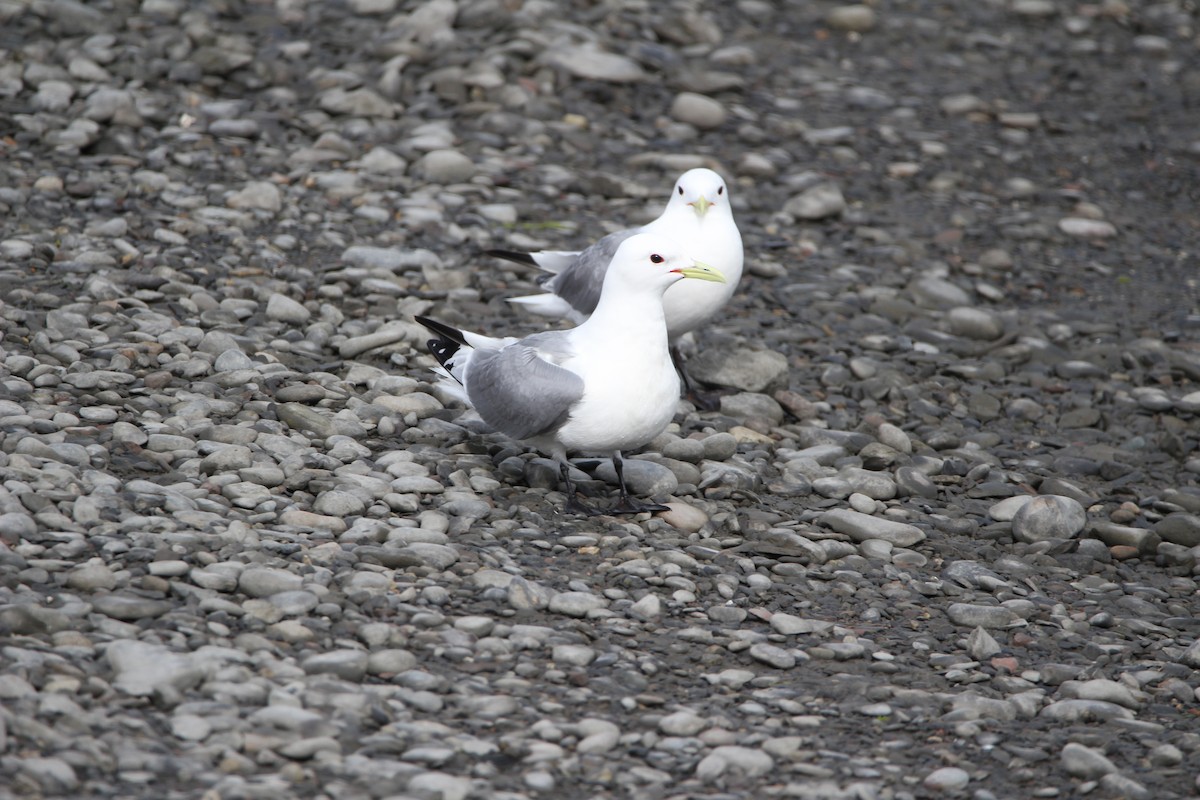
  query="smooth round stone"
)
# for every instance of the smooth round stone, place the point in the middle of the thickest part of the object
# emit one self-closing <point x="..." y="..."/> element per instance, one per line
<point x="573" y="655"/>
<point x="1081" y="761"/>
<point x="894" y="438"/>
<point x="741" y="368"/>
<point x="719" y="446"/>
<point x="576" y="604"/>
<point x="540" y="781"/>
<point x="747" y="405"/>
<point x="1179" y="528"/>
<point x="1007" y="508"/>
<point x="791" y="625"/>
<point x="912" y="482"/>
<point x="282" y="308"/>
<point x="128" y="608"/>
<point x="1048" y="517"/>
<point x="861" y="503"/>
<point x="975" y="323"/>
<point x="646" y="609"/>
<point x="430" y="554"/>
<point x="445" y="166"/>
<point x="1102" y="689"/>
<point x="819" y="202"/>
<point x="684" y="517"/>
<point x="260" y="195"/>
<point x="1084" y="228"/>
<point x="725" y="614"/>
<point x="599" y="736"/>
<point x="773" y="656"/>
<point x="592" y="63"/>
<point x="1189" y="403"/>
<point x="934" y="292"/>
<point x="851" y="18"/>
<point x="875" y="485"/>
<point x="30" y="620"/>
<point x="267" y="581"/>
<point x="169" y="443"/>
<point x="227" y="458"/>
<point x="349" y="665"/>
<point x="294" y="603"/>
<point x="231" y="360"/>
<point x="947" y="779"/>
<point x="338" y="503"/>
<point x="860" y="527"/>
<point x="689" y="450"/>
<point x="98" y="414"/>
<point x="876" y="548"/>
<point x="746" y="761"/>
<point x="977" y="616"/>
<point x="699" y="110"/>
<point x="834" y="487"/>
<point x="170" y="568"/>
<point x="682" y="723"/>
<point x="1142" y="540"/>
<point x="92" y="576"/>
<point x="190" y="727"/>
<point x="525" y="595"/>
<point x="908" y="559"/>
<point x="390" y="662"/>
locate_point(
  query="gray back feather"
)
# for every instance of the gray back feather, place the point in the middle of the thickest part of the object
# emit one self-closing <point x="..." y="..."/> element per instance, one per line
<point x="580" y="283"/>
<point x="520" y="394"/>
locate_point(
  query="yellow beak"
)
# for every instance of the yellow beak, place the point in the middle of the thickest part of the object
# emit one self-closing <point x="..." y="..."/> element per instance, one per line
<point x="701" y="206"/>
<point x="703" y="272"/>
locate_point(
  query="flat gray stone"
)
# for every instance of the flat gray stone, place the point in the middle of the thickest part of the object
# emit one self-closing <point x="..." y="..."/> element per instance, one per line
<point x="861" y="527"/>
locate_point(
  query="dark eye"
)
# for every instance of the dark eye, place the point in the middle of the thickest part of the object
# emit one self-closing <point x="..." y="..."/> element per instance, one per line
<point x="721" y="190"/>
<point x="680" y="188"/>
<point x="657" y="259"/>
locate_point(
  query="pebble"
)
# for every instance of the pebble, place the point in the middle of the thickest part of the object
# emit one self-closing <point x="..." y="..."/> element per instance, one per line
<point x="445" y="166"/>
<point x="1087" y="228"/>
<point x="855" y="18"/>
<point x="979" y="616"/>
<point x="818" y="202"/>
<point x="698" y="110"/>
<point x="1081" y="761"/>
<point x="1048" y="517"/>
<point x="861" y="527"/>
<point x="947" y="779"/>
<point x="739" y="368"/>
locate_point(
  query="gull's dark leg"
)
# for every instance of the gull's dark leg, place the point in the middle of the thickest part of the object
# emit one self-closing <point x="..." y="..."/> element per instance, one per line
<point x="705" y="401"/>
<point x="627" y="505"/>
<point x="574" y="505"/>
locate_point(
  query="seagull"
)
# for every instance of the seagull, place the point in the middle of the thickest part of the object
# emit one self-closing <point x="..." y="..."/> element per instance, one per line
<point x="605" y="386"/>
<point x="699" y="217"/>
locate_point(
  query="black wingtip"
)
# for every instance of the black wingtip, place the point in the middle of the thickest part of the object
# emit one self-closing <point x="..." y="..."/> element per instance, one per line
<point x="441" y="329"/>
<point x="442" y="349"/>
<point x="513" y="255"/>
<point x="448" y="342"/>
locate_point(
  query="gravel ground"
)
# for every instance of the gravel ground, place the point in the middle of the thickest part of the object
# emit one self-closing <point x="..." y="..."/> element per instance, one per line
<point x="941" y="540"/>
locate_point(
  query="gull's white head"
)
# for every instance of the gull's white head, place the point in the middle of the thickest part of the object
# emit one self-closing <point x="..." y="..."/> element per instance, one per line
<point x="651" y="260"/>
<point x="700" y="190"/>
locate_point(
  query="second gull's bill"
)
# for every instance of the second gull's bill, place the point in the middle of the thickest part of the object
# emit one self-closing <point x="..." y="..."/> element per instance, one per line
<point x="698" y="216"/>
<point x="605" y="386"/>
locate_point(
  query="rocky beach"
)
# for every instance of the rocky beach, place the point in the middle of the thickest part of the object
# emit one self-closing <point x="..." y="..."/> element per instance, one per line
<point x="941" y="539"/>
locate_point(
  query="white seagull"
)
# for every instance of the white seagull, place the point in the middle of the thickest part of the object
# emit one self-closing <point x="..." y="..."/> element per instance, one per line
<point x="605" y="386"/>
<point x="698" y="216"/>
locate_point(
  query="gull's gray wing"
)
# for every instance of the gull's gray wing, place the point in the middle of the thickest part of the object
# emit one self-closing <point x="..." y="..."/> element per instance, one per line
<point x="580" y="283"/>
<point x="518" y="392"/>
